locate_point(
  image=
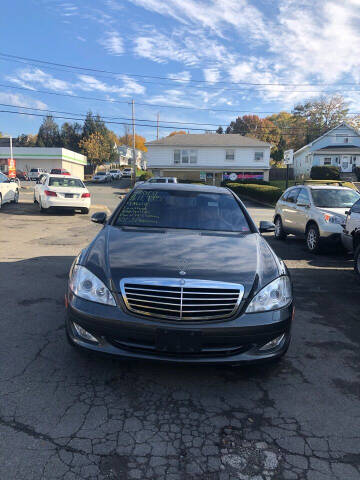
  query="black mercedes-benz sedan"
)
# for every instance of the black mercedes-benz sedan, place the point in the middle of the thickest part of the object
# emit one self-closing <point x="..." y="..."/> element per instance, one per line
<point x="180" y="273"/>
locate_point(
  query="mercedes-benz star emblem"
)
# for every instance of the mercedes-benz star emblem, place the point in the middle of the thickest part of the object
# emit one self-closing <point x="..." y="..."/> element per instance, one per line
<point x="182" y="272"/>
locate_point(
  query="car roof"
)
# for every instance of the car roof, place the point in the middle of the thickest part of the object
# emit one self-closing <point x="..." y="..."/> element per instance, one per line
<point x="56" y="175"/>
<point x="186" y="187"/>
<point x="323" y="187"/>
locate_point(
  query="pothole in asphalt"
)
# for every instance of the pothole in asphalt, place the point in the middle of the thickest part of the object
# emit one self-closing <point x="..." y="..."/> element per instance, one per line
<point x="247" y="459"/>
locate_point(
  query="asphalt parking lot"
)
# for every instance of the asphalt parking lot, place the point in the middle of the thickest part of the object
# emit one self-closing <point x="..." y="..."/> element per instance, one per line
<point x="66" y="415"/>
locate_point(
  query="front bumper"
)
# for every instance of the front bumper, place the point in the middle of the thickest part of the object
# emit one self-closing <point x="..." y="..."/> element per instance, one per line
<point x="231" y="341"/>
<point x="331" y="232"/>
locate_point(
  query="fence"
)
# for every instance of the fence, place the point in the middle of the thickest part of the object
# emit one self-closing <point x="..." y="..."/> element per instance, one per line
<point x="280" y="173"/>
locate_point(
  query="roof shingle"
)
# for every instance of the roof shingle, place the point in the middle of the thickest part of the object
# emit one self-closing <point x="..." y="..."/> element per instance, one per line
<point x="208" y="140"/>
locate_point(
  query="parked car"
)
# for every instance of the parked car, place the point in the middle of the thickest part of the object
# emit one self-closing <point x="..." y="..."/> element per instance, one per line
<point x="59" y="171"/>
<point x="102" y="177"/>
<point x="21" y="175"/>
<point x="162" y="180"/>
<point x="9" y="190"/>
<point x="116" y="174"/>
<point x="127" y="172"/>
<point x="351" y="234"/>
<point x="314" y="211"/>
<point x="62" y="191"/>
<point x="36" y="172"/>
<point x="180" y="273"/>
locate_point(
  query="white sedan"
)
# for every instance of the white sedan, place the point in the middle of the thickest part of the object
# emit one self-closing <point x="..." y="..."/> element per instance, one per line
<point x="62" y="191"/>
<point x="9" y="190"/>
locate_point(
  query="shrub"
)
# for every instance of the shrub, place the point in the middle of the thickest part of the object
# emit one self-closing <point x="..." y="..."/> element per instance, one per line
<point x="325" y="173"/>
<point x="224" y="183"/>
<point x="357" y="172"/>
<point x="145" y="176"/>
<point x="264" y="193"/>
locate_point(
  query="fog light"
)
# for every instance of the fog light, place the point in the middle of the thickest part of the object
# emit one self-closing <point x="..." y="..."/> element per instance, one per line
<point x="273" y="343"/>
<point x="84" y="333"/>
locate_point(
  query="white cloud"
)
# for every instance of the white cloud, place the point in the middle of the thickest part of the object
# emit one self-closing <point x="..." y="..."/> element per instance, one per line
<point x="80" y="38"/>
<point x="27" y="77"/>
<point x="180" y="77"/>
<point x="113" y="43"/>
<point x="211" y="75"/>
<point x="128" y="87"/>
<point x="16" y="100"/>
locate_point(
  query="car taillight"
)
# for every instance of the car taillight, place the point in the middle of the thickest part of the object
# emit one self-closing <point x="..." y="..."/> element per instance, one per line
<point x="85" y="195"/>
<point x="66" y="173"/>
<point x="50" y="193"/>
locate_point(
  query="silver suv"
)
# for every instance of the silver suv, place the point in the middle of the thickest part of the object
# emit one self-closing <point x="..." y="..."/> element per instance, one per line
<point x="350" y="236"/>
<point x="314" y="211"/>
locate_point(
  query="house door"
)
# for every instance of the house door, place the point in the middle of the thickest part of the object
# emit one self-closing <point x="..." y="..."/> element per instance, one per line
<point x="346" y="165"/>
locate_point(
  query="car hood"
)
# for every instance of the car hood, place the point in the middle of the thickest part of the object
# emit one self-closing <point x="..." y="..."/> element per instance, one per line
<point x="337" y="211"/>
<point x="238" y="258"/>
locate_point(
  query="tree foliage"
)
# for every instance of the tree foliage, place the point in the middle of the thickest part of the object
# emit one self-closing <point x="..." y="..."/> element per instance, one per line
<point x="49" y="135"/>
<point x="97" y="148"/>
<point x="127" y="139"/>
<point x="177" y="132"/>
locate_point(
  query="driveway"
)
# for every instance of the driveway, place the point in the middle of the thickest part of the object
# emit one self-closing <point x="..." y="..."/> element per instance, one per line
<point x="67" y="415"/>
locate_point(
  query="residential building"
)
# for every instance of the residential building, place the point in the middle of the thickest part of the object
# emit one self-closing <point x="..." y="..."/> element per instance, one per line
<point x="47" y="158"/>
<point x="126" y="156"/>
<point x="209" y="157"/>
<point x="339" y="147"/>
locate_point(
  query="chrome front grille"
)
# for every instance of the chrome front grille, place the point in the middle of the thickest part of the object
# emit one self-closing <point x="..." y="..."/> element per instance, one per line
<point x="181" y="299"/>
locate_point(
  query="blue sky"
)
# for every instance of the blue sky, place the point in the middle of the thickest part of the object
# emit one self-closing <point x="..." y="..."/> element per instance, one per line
<point x="229" y="45"/>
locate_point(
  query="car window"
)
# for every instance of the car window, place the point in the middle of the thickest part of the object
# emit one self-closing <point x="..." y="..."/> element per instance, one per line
<point x="182" y="209"/>
<point x="303" y="197"/>
<point x="334" y="197"/>
<point x="3" y="178"/>
<point x="292" y="196"/>
<point x="100" y="173"/>
<point x="171" y="180"/>
<point x="65" y="182"/>
<point x="356" y="207"/>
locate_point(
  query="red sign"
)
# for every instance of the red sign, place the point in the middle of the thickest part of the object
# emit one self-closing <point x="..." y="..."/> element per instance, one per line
<point x="11" y="168"/>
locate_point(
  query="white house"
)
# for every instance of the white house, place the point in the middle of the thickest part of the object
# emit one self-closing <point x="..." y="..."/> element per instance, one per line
<point x="339" y="147"/>
<point x="211" y="157"/>
<point x="126" y="156"/>
<point x="43" y="157"/>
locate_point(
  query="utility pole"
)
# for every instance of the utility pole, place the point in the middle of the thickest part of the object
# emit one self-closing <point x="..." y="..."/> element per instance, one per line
<point x="157" y="126"/>
<point x="133" y="175"/>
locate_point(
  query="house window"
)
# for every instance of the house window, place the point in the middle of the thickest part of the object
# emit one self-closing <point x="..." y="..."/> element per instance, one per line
<point x="327" y="161"/>
<point x="259" y="156"/>
<point x="185" y="156"/>
<point x="230" y="155"/>
<point x="346" y="140"/>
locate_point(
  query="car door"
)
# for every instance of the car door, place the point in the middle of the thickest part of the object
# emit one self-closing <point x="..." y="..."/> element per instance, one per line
<point x="289" y="210"/>
<point x="353" y="218"/>
<point x="4" y="188"/>
<point x="41" y="187"/>
<point x="301" y="213"/>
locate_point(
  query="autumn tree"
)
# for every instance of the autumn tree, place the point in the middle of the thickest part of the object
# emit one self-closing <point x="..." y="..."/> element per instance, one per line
<point x="127" y="139"/>
<point x="321" y="115"/>
<point x="177" y="132"/>
<point x="25" y="140"/>
<point x="220" y="130"/>
<point x="97" y="148"/>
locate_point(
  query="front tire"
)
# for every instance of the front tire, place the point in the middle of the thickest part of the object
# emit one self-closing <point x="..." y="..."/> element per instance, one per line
<point x="41" y="208"/>
<point x="85" y="211"/>
<point x="313" y="239"/>
<point x="279" y="233"/>
<point x="16" y="197"/>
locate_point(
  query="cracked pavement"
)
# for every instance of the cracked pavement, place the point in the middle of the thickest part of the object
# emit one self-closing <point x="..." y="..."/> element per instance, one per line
<point x="69" y="415"/>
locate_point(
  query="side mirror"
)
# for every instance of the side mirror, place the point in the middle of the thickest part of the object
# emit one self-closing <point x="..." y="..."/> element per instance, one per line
<point x="348" y="212"/>
<point x="266" y="226"/>
<point x="99" y="217"/>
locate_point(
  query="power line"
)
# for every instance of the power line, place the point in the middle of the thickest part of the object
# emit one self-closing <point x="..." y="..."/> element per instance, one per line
<point x="138" y="124"/>
<point x="152" y="105"/>
<point x="185" y="84"/>
<point x="174" y="79"/>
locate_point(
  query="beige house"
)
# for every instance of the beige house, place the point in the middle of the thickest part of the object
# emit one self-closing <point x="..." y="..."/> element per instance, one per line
<point x="209" y="157"/>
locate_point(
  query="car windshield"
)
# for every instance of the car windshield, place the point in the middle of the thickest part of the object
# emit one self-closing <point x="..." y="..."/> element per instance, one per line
<point x="65" y="182"/>
<point x="183" y="209"/>
<point x="100" y="173"/>
<point x="334" y="198"/>
<point x="34" y="170"/>
<point x="113" y="171"/>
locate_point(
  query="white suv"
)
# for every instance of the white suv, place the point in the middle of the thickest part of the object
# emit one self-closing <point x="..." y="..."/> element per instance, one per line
<point x="35" y="173"/>
<point x="314" y="211"/>
<point x="350" y="236"/>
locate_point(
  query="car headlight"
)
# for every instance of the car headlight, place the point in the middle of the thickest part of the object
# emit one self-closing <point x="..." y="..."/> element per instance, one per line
<point x="86" y="285"/>
<point x="276" y="294"/>
<point x="333" y="219"/>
